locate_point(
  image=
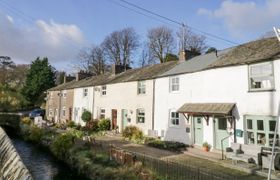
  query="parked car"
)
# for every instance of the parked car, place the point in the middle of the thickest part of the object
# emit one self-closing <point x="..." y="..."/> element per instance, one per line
<point x="36" y="113"/>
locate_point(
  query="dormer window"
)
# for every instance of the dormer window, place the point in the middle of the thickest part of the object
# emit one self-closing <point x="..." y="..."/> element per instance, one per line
<point x="261" y="77"/>
<point x="141" y="89"/>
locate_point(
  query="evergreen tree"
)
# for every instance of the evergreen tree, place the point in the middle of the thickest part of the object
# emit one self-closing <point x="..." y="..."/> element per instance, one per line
<point x="40" y="77"/>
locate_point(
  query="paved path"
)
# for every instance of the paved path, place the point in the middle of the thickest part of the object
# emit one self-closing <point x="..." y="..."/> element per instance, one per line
<point x="195" y="157"/>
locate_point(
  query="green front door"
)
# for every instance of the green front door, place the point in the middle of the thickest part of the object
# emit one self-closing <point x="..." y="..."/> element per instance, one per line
<point x="198" y="130"/>
<point x="220" y="125"/>
<point x="124" y="118"/>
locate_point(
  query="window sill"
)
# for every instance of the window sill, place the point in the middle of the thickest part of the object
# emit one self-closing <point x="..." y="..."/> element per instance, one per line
<point x="174" y="126"/>
<point x="174" y="92"/>
<point x="261" y="90"/>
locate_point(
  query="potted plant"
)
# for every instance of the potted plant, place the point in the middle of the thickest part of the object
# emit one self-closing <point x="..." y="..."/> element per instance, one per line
<point x="206" y="147"/>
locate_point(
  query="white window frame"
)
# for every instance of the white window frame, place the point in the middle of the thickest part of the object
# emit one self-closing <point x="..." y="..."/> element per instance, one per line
<point x="140" y="117"/>
<point x="85" y="92"/>
<point x="50" y="113"/>
<point x="64" y="93"/>
<point x="102" y="113"/>
<point x="103" y="90"/>
<point x="174" y="120"/>
<point x="174" y="84"/>
<point x="269" y="77"/>
<point x="64" y="111"/>
<point x="141" y="87"/>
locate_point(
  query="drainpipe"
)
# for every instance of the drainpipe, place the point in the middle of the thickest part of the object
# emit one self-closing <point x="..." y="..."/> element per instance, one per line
<point x="93" y="103"/>
<point x="59" y="107"/>
<point x="153" y="107"/>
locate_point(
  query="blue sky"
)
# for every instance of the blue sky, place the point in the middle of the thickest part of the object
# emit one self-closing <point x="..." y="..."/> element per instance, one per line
<point x="59" y="28"/>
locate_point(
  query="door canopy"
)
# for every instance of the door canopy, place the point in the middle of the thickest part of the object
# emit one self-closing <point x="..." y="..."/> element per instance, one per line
<point x="207" y="108"/>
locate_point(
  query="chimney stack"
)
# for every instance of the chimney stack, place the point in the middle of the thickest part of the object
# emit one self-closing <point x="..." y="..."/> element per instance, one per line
<point x="82" y="75"/>
<point x="187" y="54"/>
<point x="116" y="69"/>
<point x="182" y="56"/>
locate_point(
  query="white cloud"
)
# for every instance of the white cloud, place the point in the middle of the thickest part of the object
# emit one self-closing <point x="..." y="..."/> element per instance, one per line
<point x="246" y="17"/>
<point x="58" y="42"/>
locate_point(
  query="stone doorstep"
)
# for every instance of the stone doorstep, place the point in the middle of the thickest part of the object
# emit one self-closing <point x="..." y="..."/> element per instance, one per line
<point x="213" y="156"/>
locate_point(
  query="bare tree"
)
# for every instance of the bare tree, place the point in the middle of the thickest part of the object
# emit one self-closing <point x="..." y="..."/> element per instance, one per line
<point x="191" y="41"/>
<point x="160" y="42"/>
<point x="119" y="46"/>
<point x="92" y="60"/>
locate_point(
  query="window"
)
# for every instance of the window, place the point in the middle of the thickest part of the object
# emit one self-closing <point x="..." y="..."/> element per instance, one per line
<point x="103" y="90"/>
<point x="141" y="87"/>
<point x="222" y="124"/>
<point x="85" y="93"/>
<point x="63" y="111"/>
<point x="261" y="76"/>
<point x="260" y="130"/>
<point x="174" y="84"/>
<point x="50" y="112"/>
<point x="249" y="124"/>
<point x="102" y="113"/>
<point x="260" y="125"/>
<point x="64" y="94"/>
<point x="51" y="95"/>
<point x="140" y="116"/>
<point x="174" y="117"/>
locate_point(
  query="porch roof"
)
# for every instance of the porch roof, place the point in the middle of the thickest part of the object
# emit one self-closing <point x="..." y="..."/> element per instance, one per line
<point x="207" y="108"/>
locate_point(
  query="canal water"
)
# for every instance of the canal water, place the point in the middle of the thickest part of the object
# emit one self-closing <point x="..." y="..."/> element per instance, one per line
<point x="41" y="164"/>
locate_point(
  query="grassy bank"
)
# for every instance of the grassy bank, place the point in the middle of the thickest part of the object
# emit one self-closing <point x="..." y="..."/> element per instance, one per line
<point x="90" y="160"/>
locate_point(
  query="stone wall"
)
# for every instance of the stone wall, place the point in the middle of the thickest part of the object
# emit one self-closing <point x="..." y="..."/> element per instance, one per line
<point x="11" y="165"/>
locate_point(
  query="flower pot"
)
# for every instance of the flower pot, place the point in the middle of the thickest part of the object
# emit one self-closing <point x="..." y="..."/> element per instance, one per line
<point x="206" y="149"/>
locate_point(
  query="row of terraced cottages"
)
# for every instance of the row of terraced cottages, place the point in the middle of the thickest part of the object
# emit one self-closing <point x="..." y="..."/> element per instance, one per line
<point x="195" y="100"/>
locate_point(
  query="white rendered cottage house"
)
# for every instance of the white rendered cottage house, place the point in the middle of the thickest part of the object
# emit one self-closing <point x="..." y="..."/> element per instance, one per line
<point x="209" y="96"/>
<point x="127" y="98"/>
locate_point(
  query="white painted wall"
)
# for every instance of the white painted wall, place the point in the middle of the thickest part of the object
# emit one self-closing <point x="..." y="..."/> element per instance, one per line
<point x="221" y="85"/>
<point x="80" y="102"/>
<point x="124" y="96"/>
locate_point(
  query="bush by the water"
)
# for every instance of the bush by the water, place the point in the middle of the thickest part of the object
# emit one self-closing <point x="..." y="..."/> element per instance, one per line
<point x="133" y="133"/>
<point x="36" y="134"/>
<point x="167" y="145"/>
<point x="104" y="125"/>
<point x="26" y="120"/>
<point x="62" y="144"/>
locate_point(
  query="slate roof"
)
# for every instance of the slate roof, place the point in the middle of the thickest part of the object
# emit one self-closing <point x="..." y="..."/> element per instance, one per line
<point x="195" y="64"/>
<point x="207" y="108"/>
<point x="148" y="72"/>
<point x="252" y="52"/>
<point x="62" y="86"/>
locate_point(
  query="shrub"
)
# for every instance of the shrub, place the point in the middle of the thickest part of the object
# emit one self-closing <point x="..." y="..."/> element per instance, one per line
<point x="26" y="120"/>
<point x="167" y="145"/>
<point x="36" y="134"/>
<point x="86" y="116"/>
<point x="132" y="133"/>
<point x="62" y="144"/>
<point x="104" y="124"/>
<point x="71" y="124"/>
<point x="92" y="125"/>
